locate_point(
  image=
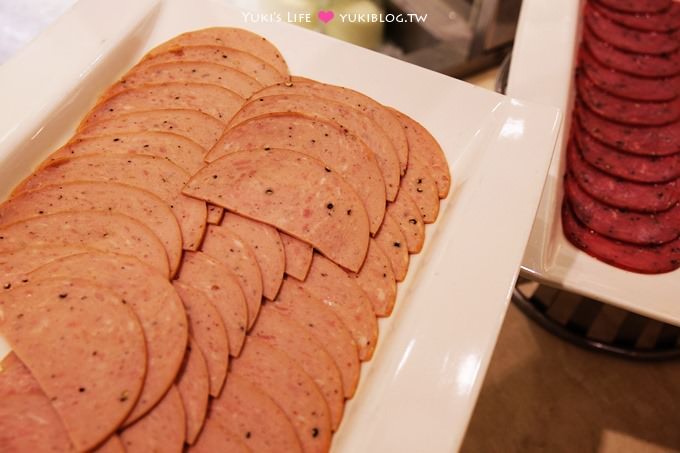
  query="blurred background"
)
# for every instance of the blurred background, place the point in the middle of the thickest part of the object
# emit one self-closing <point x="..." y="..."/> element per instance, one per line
<point x="454" y="37"/>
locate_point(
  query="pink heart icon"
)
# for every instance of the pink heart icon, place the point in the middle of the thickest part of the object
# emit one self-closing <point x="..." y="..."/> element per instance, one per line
<point x="325" y="16"/>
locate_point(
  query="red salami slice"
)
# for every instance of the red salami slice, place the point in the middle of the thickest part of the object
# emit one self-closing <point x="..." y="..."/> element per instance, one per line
<point x="646" y="141"/>
<point x="254" y="417"/>
<point x="231" y="251"/>
<point x="219" y="103"/>
<point x="321" y="321"/>
<point x="219" y="284"/>
<point x="330" y="283"/>
<point x="302" y="347"/>
<point x="324" y="141"/>
<point x="422" y="144"/>
<point x="629" y="39"/>
<point x="88" y="354"/>
<point x="236" y="38"/>
<point x="647" y="169"/>
<point x="628" y="226"/>
<point x="354" y="121"/>
<point x="241" y="61"/>
<point x="265" y="242"/>
<point x="266" y="185"/>
<point x="625" y="85"/>
<point x="638" y="6"/>
<point x="377" y="280"/>
<point x="187" y="71"/>
<point x="292" y="390"/>
<point x="192" y="124"/>
<point x="193" y="384"/>
<point x="152" y="298"/>
<point x="103" y="231"/>
<point x="644" y="65"/>
<point x="407" y="215"/>
<point x="208" y="332"/>
<point x="639" y="113"/>
<point x="661" y="21"/>
<point x="28" y="420"/>
<point x="619" y="192"/>
<point x="636" y="258"/>
<point x="131" y="201"/>
<point x="162" y="429"/>
<point x="298" y="256"/>
<point x="393" y="243"/>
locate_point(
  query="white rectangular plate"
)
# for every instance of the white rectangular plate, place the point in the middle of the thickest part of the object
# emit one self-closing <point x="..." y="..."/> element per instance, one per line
<point x="418" y="393"/>
<point x="542" y="70"/>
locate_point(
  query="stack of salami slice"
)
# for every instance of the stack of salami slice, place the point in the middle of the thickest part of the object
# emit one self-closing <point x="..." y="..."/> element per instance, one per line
<point x="623" y="159"/>
<point x="203" y="264"/>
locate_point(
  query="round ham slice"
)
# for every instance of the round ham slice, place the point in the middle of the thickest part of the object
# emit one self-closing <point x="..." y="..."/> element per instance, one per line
<point x="356" y="122"/>
<point x="640" y="113"/>
<point x="192" y="124"/>
<point x="131" y="201"/>
<point x="27" y="417"/>
<point x="645" y="141"/>
<point x="215" y="437"/>
<point x="249" y="64"/>
<point x="392" y="242"/>
<point x="647" y="169"/>
<point x="628" y="226"/>
<point x="374" y="110"/>
<point x="193" y="384"/>
<point x="406" y="213"/>
<point x="16" y="264"/>
<point x="618" y="192"/>
<point x="636" y="258"/>
<point x="162" y="429"/>
<point x="152" y="298"/>
<point x="219" y="103"/>
<point x="265" y="242"/>
<point x="208" y="332"/>
<point x="321" y="321"/>
<point x="293" y="193"/>
<point x="253" y="417"/>
<point x="231" y="251"/>
<point x="629" y="39"/>
<point x="277" y="375"/>
<point x="298" y="256"/>
<point x="103" y="231"/>
<point x="236" y="38"/>
<point x="85" y="348"/>
<point x="422" y="144"/>
<point x="644" y="65"/>
<point x="180" y="150"/>
<point x="420" y="184"/>
<point x="187" y="71"/>
<point x="330" y="283"/>
<point x="376" y="279"/>
<point x="156" y="175"/>
<point x="625" y="85"/>
<point x="206" y="274"/>
<point x="303" y="348"/>
<point x="325" y="141"/>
